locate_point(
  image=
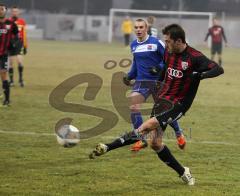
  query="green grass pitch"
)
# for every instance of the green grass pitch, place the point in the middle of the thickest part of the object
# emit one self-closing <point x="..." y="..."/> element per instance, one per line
<point x="32" y="163"/>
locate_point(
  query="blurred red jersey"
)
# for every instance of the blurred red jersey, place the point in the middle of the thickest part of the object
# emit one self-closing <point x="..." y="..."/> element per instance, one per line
<point x="217" y="34"/>
<point x="21" y="24"/>
<point x="8" y="30"/>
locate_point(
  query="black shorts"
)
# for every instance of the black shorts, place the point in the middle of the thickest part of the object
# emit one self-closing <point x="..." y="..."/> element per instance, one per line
<point x="17" y="49"/>
<point x="216" y="48"/>
<point x="3" y="62"/>
<point x="168" y="113"/>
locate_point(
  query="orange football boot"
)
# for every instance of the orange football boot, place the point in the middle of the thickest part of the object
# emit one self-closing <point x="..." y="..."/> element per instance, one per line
<point x="139" y="145"/>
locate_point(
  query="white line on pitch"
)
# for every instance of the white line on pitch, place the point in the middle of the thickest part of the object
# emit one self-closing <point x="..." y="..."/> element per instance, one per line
<point x="25" y="133"/>
<point x="111" y="137"/>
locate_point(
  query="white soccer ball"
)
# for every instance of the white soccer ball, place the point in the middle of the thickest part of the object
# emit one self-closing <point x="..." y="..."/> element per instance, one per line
<point x="68" y="136"/>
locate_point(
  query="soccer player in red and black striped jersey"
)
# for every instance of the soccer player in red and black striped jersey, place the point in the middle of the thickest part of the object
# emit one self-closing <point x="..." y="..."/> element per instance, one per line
<point x="185" y="67"/>
<point x="7" y="30"/>
<point x="216" y="32"/>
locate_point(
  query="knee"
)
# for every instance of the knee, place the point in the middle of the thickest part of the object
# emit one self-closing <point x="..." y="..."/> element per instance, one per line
<point x="156" y="146"/>
<point x="135" y="108"/>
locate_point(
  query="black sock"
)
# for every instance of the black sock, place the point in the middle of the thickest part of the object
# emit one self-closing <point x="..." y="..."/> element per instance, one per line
<point x="20" y="71"/>
<point x="6" y="89"/>
<point x="10" y="71"/>
<point x="166" y="156"/>
<point x="126" y="139"/>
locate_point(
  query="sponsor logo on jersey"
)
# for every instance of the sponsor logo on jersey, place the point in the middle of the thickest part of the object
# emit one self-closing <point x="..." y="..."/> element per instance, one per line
<point x="145" y="48"/>
<point x="3" y="31"/>
<point x="149" y="47"/>
<point x="184" y="65"/>
<point x="8" y="27"/>
<point x="217" y="31"/>
<point x="174" y="73"/>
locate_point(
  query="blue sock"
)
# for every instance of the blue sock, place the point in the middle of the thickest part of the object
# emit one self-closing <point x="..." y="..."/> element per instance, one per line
<point x="136" y="118"/>
<point x="177" y="129"/>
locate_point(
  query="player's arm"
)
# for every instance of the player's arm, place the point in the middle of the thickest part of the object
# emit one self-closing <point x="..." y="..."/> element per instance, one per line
<point x="162" y="72"/>
<point x="14" y="40"/>
<point x="206" y="68"/>
<point x="224" y="36"/>
<point x="15" y="29"/>
<point x="133" y="71"/>
<point x="131" y="74"/>
<point x="207" y="35"/>
<point x="157" y="69"/>
<point x="25" y="44"/>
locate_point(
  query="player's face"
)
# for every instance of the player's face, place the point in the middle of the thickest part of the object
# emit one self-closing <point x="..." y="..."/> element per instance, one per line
<point x="171" y="45"/>
<point x="215" y="22"/>
<point x="2" y="11"/>
<point x="15" y="12"/>
<point x="140" y="29"/>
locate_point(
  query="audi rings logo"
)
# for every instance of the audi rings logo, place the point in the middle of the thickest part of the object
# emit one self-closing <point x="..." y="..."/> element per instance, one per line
<point x="175" y="73"/>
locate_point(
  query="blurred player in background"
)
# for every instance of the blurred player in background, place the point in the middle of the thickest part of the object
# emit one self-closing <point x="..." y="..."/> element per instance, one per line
<point x="16" y="55"/>
<point x="185" y="67"/>
<point x="8" y="40"/>
<point x="151" y="29"/>
<point x="127" y="28"/>
<point x="146" y="69"/>
<point x="216" y="32"/>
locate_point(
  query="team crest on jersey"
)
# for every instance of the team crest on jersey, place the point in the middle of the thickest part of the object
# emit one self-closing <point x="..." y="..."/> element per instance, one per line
<point x="149" y="47"/>
<point x="184" y="65"/>
<point x="3" y="31"/>
<point x="8" y="27"/>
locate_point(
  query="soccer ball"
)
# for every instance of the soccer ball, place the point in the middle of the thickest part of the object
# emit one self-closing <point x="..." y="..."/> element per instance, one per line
<point x="68" y="136"/>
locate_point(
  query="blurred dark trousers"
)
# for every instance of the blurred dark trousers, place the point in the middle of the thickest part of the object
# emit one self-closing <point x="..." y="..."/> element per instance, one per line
<point x="126" y="39"/>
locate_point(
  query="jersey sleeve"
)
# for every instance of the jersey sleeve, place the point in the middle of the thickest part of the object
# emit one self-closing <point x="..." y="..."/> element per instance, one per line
<point x="14" y="30"/>
<point x="206" y="67"/>
<point x="132" y="74"/>
<point x="161" y="47"/>
<point x="224" y="36"/>
<point x="161" y="50"/>
<point x="25" y="44"/>
<point x="207" y="35"/>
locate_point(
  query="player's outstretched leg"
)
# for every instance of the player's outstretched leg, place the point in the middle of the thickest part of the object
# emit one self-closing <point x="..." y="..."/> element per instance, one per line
<point x="126" y="139"/>
<point x="98" y="151"/>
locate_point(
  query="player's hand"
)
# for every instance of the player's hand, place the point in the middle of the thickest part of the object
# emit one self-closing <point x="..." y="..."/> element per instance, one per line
<point x="154" y="71"/>
<point x="24" y="51"/>
<point x="126" y="80"/>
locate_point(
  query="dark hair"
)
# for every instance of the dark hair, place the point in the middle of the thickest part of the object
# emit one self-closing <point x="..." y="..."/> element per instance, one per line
<point x="175" y="32"/>
<point x="14" y="7"/>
